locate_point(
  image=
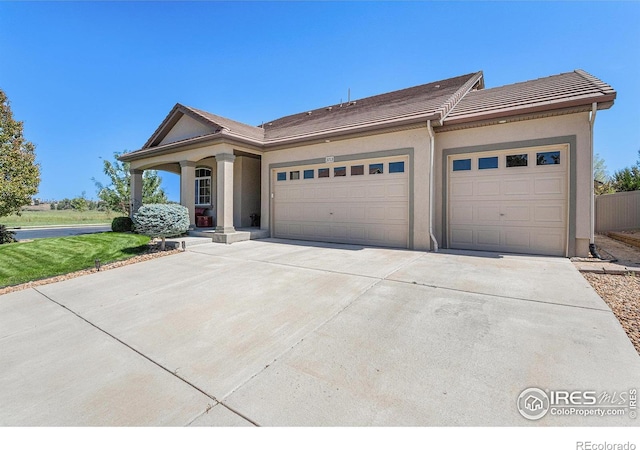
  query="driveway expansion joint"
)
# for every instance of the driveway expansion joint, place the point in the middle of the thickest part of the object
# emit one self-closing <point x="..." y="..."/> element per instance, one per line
<point x="173" y="373"/>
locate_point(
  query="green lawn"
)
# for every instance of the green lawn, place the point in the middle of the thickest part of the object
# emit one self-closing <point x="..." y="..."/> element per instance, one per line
<point x="43" y="258"/>
<point x="65" y="217"/>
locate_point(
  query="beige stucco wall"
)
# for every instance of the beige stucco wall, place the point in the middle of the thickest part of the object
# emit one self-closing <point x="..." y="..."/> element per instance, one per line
<point x="246" y="190"/>
<point x="185" y="128"/>
<point x="417" y="139"/>
<point x="567" y="125"/>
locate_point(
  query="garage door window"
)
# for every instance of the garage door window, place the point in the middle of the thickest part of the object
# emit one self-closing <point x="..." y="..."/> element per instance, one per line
<point x="517" y="160"/>
<point x="461" y="164"/>
<point x="547" y="158"/>
<point x="375" y="169"/>
<point x="323" y="173"/>
<point x="340" y="171"/>
<point x="308" y="174"/>
<point x="396" y="167"/>
<point x="488" y="163"/>
<point x="282" y="176"/>
<point x="357" y="170"/>
<point x="294" y="175"/>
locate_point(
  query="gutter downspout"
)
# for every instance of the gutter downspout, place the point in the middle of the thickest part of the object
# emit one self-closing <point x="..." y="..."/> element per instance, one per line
<point x="592" y="209"/>
<point x="432" y="141"/>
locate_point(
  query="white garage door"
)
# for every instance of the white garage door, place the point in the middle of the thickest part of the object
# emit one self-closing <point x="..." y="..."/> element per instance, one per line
<point x="357" y="202"/>
<point x="511" y="201"/>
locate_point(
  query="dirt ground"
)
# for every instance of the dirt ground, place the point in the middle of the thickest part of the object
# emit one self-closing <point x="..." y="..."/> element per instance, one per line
<point x="620" y="291"/>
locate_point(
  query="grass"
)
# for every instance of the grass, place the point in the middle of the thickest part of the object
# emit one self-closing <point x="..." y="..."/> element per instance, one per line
<point x="43" y="258"/>
<point x="64" y="217"/>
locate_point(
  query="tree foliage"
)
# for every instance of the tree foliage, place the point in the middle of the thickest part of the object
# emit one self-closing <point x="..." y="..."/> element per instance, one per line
<point x="117" y="194"/>
<point x="19" y="172"/>
<point x="627" y="179"/>
<point x="158" y="220"/>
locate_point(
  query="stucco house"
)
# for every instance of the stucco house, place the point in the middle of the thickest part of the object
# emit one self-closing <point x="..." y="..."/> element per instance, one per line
<point x="447" y="164"/>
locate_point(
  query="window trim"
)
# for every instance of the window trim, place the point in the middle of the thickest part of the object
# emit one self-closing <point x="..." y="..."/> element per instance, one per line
<point x="198" y="179"/>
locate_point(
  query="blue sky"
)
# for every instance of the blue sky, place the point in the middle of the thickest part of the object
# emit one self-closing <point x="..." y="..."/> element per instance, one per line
<point x="92" y="78"/>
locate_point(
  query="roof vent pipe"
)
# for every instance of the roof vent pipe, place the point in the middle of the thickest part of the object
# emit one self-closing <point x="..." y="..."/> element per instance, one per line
<point x="432" y="141"/>
<point x="592" y="206"/>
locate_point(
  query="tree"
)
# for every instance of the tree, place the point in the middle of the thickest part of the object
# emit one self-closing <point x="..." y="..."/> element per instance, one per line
<point x="601" y="179"/>
<point x="627" y="179"/>
<point x="80" y="203"/>
<point x="117" y="194"/>
<point x="19" y="172"/>
<point x="600" y="172"/>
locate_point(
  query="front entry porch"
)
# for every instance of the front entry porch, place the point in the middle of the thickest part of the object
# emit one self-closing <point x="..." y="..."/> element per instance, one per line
<point x="239" y="235"/>
<point x="221" y="191"/>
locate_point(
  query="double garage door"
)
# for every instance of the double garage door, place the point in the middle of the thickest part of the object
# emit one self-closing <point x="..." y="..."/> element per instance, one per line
<point x="355" y="202"/>
<point x="511" y="201"/>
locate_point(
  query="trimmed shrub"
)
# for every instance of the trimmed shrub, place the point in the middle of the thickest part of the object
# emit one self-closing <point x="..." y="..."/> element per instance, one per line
<point x="6" y="236"/>
<point x="161" y="221"/>
<point x="122" y="224"/>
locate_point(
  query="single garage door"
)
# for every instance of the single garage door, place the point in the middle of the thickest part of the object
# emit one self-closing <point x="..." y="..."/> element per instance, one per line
<point x="509" y="201"/>
<point x="356" y="202"/>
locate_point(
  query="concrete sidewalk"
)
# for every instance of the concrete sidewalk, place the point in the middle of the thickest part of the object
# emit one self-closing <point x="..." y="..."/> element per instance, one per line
<point x="277" y="332"/>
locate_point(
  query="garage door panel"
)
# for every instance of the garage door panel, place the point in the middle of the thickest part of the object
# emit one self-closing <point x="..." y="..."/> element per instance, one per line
<point x="516" y="213"/>
<point x="511" y="209"/>
<point x="516" y="187"/>
<point x="487" y="187"/>
<point x="396" y="213"/>
<point x="358" y="192"/>
<point x="550" y="213"/>
<point x="375" y="191"/>
<point x="488" y="237"/>
<point x="555" y="185"/>
<point x="367" y="209"/>
<point x="461" y="237"/>
<point x="357" y="214"/>
<point x="397" y="190"/>
<point x="549" y="240"/>
<point x="462" y="214"/>
<point x="461" y="188"/>
<point x="308" y="193"/>
<point x="517" y="238"/>
<point x="487" y="213"/>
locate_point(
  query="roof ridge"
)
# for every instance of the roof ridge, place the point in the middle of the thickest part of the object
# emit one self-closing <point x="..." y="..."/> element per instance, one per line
<point x="202" y="113"/>
<point x="448" y="106"/>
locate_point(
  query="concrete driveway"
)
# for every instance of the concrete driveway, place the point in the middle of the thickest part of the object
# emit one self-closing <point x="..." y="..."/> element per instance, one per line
<point x="289" y="333"/>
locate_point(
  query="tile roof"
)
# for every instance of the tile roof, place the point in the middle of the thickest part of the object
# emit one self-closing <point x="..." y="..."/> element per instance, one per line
<point x="557" y="91"/>
<point x="424" y="100"/>
<point x="229" y="125"/>
<point x="460" y="101"/>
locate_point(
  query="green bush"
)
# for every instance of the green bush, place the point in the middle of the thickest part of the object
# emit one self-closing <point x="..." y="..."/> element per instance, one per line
<point x="6" y="235"/>
<point x="161" y="220"/>
<point x="122" y="224"/>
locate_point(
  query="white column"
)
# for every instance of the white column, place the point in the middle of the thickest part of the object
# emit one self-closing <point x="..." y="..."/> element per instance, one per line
<point x="188" y="188"/>
<point x="224" y="208"/>
<point x="135" y="201"/>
